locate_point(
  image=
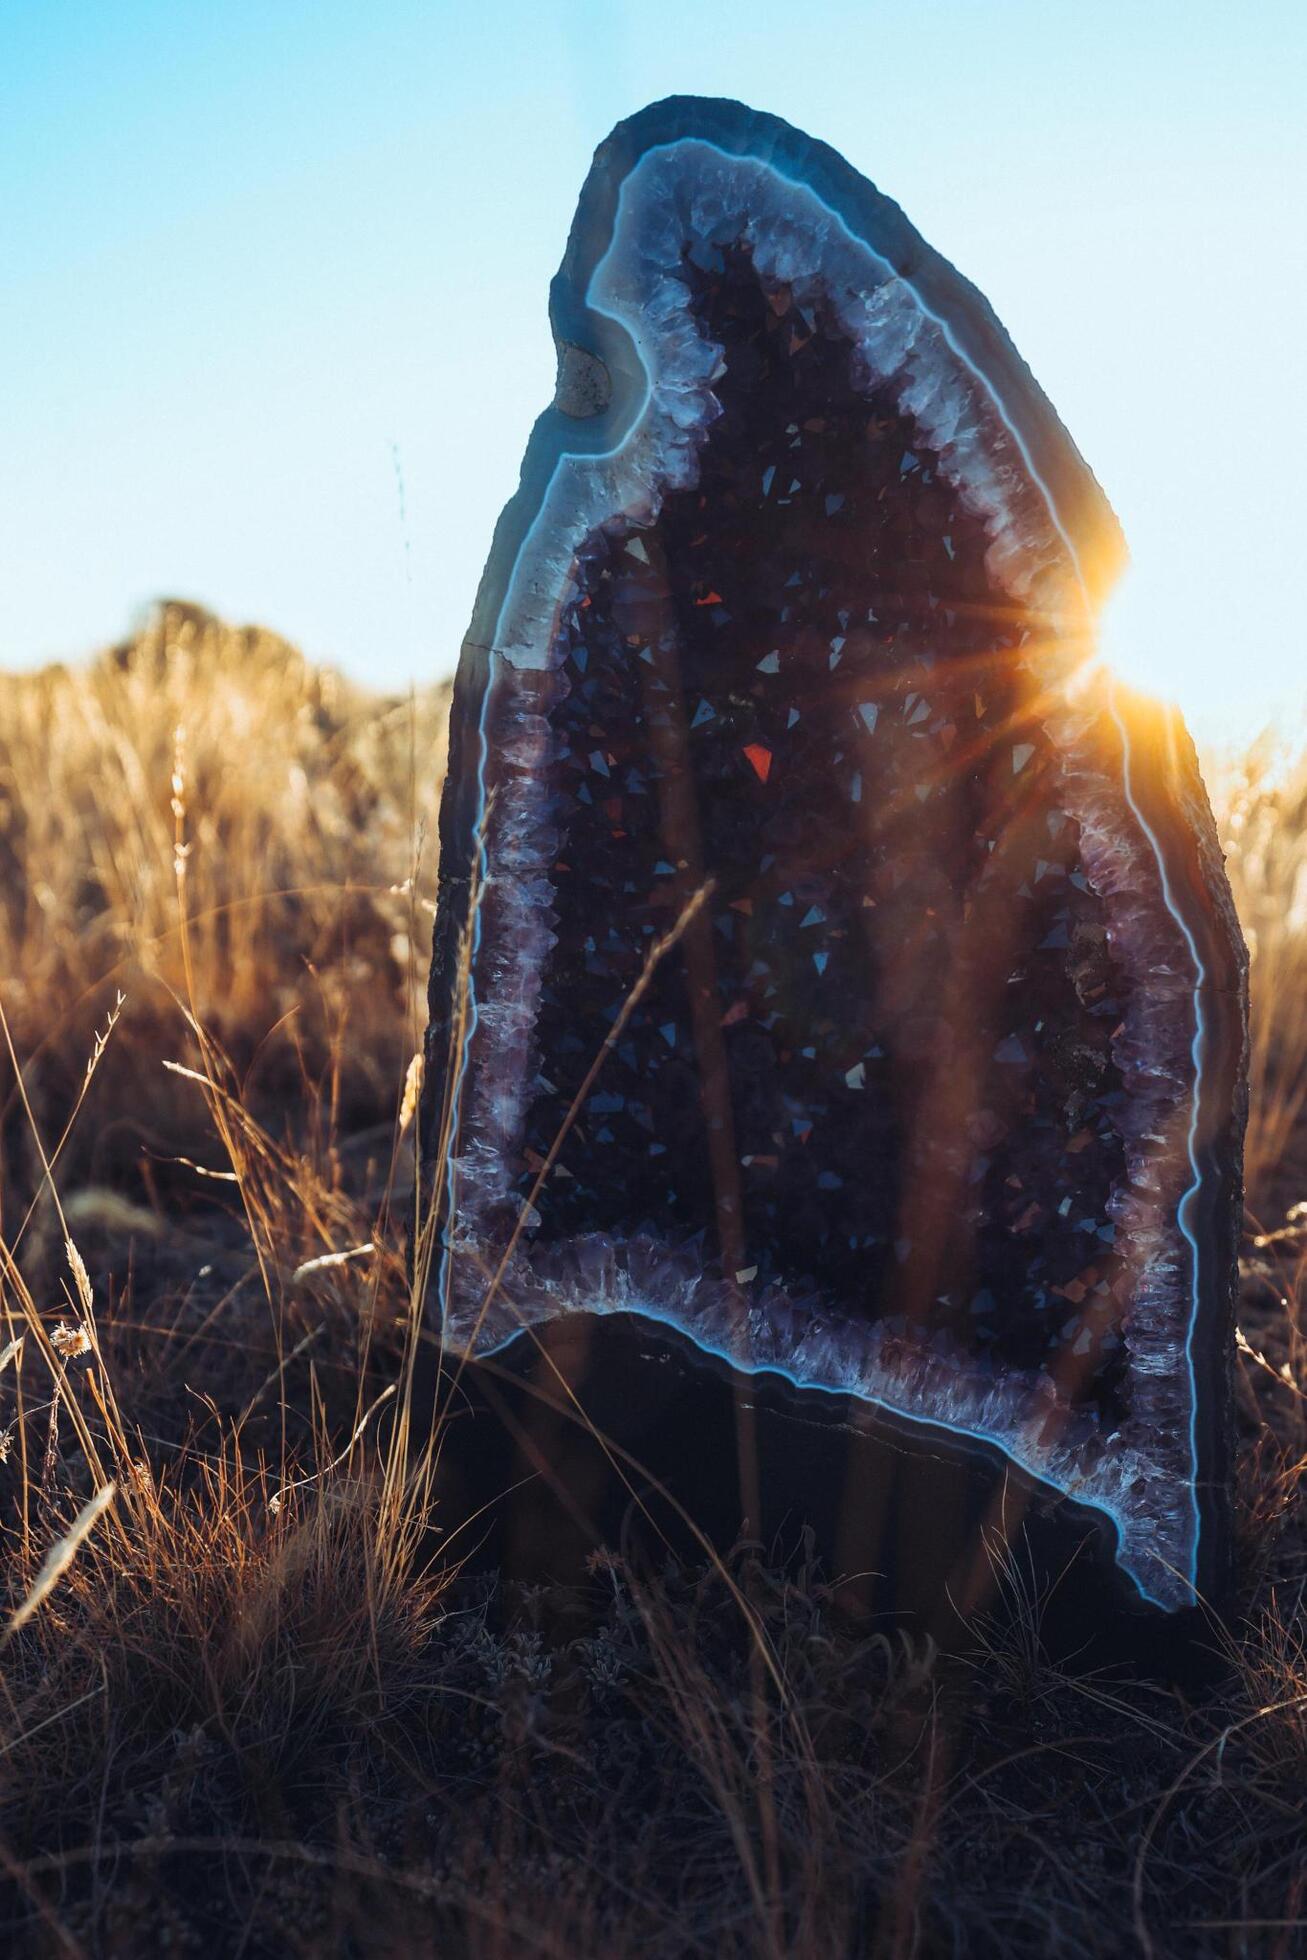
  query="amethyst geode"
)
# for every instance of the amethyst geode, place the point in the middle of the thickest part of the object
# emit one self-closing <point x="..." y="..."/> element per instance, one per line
<point x="935" y="1105"/>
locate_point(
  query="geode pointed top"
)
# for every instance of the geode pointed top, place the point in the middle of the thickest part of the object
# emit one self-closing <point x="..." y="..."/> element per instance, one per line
<point x="936" y="1102"/>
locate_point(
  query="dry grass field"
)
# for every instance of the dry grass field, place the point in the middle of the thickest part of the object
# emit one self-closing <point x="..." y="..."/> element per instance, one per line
<point x="249" y="1703"/>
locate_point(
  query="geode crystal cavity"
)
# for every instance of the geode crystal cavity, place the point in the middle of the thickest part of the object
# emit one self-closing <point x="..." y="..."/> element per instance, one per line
<point x="935" y="1103"/>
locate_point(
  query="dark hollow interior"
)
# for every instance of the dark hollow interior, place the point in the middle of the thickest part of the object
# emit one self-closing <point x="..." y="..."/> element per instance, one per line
<point x="877" y="1068"/>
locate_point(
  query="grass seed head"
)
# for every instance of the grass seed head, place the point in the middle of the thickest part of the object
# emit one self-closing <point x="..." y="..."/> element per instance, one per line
<point x="70" y="1340"/>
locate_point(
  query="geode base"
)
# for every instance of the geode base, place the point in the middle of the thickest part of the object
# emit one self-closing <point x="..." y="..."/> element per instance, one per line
<point x="616" y="1432"/>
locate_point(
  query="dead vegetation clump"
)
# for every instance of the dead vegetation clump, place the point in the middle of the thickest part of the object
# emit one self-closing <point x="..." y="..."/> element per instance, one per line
<point x="256" y="1699"/>
<point x="1261" y="799"/>
<point x="301" y="801"/>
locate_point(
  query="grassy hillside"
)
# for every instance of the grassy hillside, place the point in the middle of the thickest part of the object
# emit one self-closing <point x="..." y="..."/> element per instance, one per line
<point x="250" y="1703"/>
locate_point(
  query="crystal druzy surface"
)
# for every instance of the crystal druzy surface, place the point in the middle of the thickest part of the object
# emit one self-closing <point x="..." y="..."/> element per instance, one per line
<point x="936" y="1100"/>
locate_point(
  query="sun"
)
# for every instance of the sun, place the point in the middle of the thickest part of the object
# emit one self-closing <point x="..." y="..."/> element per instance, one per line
<point x="1135" y="644"/>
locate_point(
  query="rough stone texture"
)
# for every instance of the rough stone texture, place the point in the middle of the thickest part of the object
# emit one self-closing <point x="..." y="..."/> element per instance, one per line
<point x="936" y="1103"/>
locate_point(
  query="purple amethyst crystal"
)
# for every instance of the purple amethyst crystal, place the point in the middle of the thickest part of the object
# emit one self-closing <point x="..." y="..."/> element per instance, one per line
<point x="935" y="1103"/>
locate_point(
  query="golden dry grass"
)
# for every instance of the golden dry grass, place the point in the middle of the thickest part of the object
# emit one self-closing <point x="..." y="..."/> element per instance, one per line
<point x="252" y="1706"/>
<point x="1261" y="800"/>
<point x="304" y="801"/>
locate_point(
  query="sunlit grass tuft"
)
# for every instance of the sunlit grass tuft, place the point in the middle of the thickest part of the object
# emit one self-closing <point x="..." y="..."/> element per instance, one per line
<point x="1261" y="804"/>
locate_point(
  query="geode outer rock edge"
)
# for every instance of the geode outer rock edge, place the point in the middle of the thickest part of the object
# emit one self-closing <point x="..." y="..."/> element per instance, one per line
<point x="938" y="1101"/>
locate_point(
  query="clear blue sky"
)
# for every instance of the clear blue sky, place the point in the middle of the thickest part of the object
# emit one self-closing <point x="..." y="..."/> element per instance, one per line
<point x="263" y="264"/>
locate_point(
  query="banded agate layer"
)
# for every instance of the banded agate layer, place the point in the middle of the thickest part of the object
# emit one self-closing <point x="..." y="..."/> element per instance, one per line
<point x="936" y="1100"/>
